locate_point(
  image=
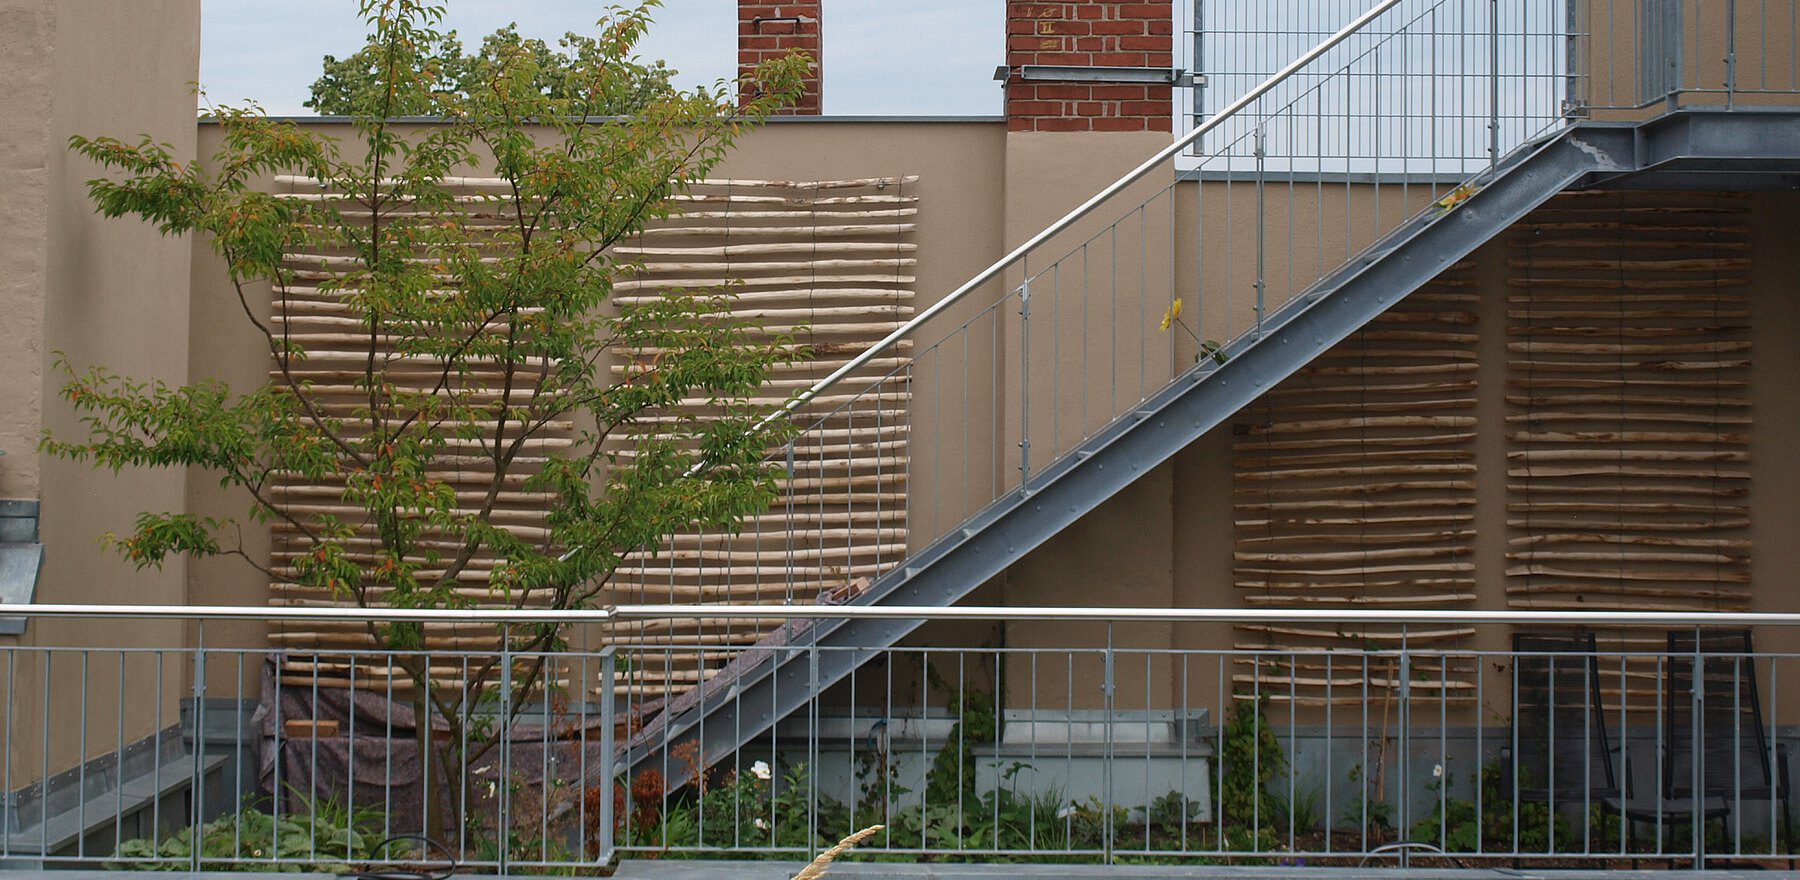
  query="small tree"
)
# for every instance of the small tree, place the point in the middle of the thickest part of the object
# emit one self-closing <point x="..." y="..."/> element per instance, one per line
<point x="524" y="300"/>
<point x="359" y="80"/>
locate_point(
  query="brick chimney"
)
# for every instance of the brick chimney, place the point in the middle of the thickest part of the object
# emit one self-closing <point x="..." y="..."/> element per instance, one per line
<point x="1089" y="65"/>
<point x="771" y="30"/>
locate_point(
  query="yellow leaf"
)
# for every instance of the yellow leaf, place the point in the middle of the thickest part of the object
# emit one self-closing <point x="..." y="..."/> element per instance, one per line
<point x="1455" y="197"/>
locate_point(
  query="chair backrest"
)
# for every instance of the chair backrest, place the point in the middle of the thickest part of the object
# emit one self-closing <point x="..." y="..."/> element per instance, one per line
<point x="1726" y="709"/>
<point x="1560" y="747"/>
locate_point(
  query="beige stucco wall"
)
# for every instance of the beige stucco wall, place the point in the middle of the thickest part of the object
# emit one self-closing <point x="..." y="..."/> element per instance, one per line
<point x="1775" y="436"/>
<point x="26" y="28"/>
<point x="107" y="293"/>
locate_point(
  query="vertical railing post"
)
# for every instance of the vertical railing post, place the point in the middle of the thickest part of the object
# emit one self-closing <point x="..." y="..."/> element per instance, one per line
<point x="1730" y="54"/>
<point x="1697" y="752"/>
<point x="608" y="666"/>
<point x="1674" y="41"/>
<point x="1405" y="746"/>
<point x="1108" y="689"/>
<point x="812" y="744"/>
<point x="1025" y="384"/>
<point x="1579" y="84"/>
<point x="197" y="774"/>
<point x="1261" y="153"/>
<point x="1493" y="84"/>
<point x="788" y="588"/>
<point x="503" y="821"/>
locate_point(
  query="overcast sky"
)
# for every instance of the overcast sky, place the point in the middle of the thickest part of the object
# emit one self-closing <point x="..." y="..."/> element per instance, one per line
<point x="913" y="57"/>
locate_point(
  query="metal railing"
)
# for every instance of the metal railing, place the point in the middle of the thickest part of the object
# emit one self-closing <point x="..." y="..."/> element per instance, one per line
<point x="1729" y="53"/>
<point x="1593" y="55"/>
<point x="1166" y="272"/>
<point x="1420" y="749"/>
<point x="1474" y="79"/>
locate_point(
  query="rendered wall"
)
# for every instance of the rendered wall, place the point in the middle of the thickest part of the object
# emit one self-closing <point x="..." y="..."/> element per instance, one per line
<point x="108" y="293"/>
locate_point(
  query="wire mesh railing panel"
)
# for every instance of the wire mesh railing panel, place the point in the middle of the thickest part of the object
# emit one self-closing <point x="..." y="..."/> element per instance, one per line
<point x="1108" y="752"/>
<point x="1640" y="53"/>
<point x="194" y="758"/>
<point x="1471" y="80"/>
<point x="1025" y="741"/>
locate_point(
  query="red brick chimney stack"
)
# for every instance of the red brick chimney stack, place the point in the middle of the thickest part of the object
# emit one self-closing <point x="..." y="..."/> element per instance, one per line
<point x="1047" y="44"/>
<point x="771" y="30"/>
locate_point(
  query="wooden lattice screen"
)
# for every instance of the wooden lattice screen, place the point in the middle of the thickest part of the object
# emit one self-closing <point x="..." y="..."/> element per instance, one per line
<point x="334" y="340"/>
<point x="830" y="263"/>
<point x="1629" y="406"/>
<point x="1355" y="486"/>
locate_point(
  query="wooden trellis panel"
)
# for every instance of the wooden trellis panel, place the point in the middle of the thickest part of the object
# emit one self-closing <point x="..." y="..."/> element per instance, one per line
<point x="1355" y="487"/>
<point x="830" y="263"/>
<point x="1628" y="401"/>
<point x="335" y="343"/>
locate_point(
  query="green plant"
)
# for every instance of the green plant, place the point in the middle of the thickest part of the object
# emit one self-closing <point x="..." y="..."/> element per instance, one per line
<point x="952" y="776"/>
<point x="325" y="837"/>
<point x="1453" y="823"/>
<point x="1304" y="812"/>
<point x="1378" y="815"/>
<point x="1250" y="757"/>
<point x="779" y="817"/>
<point x="752" y="809"/>
<point x="474" y="363"/>
<point x="1456" y="825"/>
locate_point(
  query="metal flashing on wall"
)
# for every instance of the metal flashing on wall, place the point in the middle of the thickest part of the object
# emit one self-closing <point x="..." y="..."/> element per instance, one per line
<point x="21" y="558"/>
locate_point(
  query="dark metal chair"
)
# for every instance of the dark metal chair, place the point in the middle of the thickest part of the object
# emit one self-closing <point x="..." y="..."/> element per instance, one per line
<point x="1560" y="754"/>
<point x="1737" y="761"/>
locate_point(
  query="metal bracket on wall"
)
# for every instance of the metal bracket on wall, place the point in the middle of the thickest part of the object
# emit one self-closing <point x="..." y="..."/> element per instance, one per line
<point x="795" y="20"/>
<point x="1173" y="76"/>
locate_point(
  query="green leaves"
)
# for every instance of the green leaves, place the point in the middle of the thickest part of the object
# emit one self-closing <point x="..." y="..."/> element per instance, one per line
<point x="159" y="534"/>
<point x="325" y="837"/>
<point x="446" y="74"/>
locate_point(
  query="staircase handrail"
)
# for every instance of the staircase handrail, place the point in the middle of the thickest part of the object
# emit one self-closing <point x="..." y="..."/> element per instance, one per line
<point x="1075" y="214"/>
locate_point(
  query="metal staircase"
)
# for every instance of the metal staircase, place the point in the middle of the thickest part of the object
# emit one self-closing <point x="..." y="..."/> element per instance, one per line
<point x="1259" y="143"/>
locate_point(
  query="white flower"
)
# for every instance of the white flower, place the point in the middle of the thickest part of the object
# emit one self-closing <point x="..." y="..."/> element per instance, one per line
<point x="761" y="770"/>
<point x="1437" y="771"/>
<point x="492" y="788"/>
<point x="761" y="825"/>
<point x="1066" y="812"/>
